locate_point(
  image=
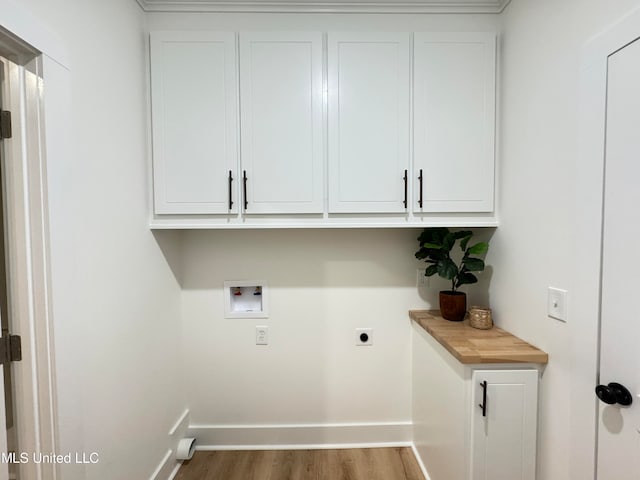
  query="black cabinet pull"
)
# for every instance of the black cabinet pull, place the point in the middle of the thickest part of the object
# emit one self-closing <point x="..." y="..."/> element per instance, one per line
<point x="244" y="188"/>
<point x="405" y="189"/>
<point x="483" y="405"/>
<point x="420" y="178"/>
<point x="230" y="196"/>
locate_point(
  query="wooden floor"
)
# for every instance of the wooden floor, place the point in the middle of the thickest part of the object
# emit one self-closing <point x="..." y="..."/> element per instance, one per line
<point x="352" y="464"/>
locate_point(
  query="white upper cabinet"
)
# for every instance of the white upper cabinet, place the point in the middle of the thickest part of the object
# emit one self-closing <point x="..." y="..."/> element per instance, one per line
<point x="281" y="122"/>
<point x="369" y="114"/>
<point x="361" y="129"/>
<point x="194" y="115"/>
<point x="454" y="122"/>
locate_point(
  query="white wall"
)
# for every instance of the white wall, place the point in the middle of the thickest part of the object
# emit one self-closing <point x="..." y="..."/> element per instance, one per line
<point x="322" y="285"/>
<point x="116" y="301"/>
<point x="533" y="247"/>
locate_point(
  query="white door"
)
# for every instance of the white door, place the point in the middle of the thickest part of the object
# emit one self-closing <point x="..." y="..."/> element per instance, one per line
<point x="454" y="122"/>
<point x="369" y="81"/>
<point x="504" y="424"/>
<point x="194" y="120"/>
<point x="619" y="425"/>
<point x="281" y="122"/>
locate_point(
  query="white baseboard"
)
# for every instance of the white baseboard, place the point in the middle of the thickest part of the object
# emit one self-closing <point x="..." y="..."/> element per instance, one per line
<point x="179" y="430"/>
<point x="169" y="466"/>
<point x="420" y="462"/>
<point x="304" y="436"/>
<point x="175" y="471"/>
<point x="165" y="470"/>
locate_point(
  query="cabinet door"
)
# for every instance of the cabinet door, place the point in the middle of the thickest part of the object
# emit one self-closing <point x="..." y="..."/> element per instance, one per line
<point x="194" y="115"/>
<point x="454" y="122"/>
<point x="503" y="436"/>
<point x="281" y="118"/>
<point x="369" y="82"/>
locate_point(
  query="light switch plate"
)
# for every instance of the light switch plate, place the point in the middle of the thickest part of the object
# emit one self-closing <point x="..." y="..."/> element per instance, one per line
<point x="557" y="304"/>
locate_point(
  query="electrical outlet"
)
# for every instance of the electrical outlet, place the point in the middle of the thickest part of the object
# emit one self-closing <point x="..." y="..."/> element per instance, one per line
<point x="557" y="304"/>
<point x="364" y="337"/>
<point x="262" y="335"/>
<point x="421" y="279"/>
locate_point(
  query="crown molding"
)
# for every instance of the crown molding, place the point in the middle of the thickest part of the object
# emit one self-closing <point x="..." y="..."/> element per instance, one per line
<point x="324" y="6"/>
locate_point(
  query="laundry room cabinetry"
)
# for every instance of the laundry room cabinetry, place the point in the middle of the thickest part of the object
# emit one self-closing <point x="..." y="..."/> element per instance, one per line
<point x="310" y="129"/>
<point x="195" y="94"/>
<point x="474" y="405"/>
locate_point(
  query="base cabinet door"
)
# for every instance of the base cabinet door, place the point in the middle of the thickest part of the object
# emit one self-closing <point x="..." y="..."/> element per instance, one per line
<point x="503" y="424"/>
<point x="194" y="99"/>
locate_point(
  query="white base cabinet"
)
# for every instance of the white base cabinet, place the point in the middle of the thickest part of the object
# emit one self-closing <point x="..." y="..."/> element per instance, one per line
<point x="455" y="437"/>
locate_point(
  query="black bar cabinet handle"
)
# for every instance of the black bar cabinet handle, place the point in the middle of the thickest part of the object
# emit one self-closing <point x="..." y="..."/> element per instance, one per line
<point x="483" y="405"/>
<point x="405" y="189"/>
<point x="420" y="199"/>
<point x="244" y="188"/>
<point x="230" y="196"/>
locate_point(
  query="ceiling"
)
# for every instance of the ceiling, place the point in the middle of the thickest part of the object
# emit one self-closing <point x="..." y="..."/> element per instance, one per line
<point x="326" y="6"/>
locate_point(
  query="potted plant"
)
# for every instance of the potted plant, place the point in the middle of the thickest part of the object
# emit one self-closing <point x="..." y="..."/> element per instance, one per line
<point x="436" y="245"/>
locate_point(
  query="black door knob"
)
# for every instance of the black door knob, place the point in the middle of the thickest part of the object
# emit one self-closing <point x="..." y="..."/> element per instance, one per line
<point x="614" y="393"/>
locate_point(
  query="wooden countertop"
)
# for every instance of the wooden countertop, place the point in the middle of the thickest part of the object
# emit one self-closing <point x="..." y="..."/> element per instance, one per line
<point x="471" y="345"/>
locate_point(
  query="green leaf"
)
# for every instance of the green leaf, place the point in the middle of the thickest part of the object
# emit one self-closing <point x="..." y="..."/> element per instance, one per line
<point x="433" y="246"/>
<point x="478" y="249"/>
<point x="466" y="279"/>
<point x="433" y="235"/>
<point x="447" y="269"/>
<point x="465" y="239"/>
<point x="473" y="264"/>
<point x="431" y="270"/>
<point x="448" y="242"/>
<point x="430" y="254"/>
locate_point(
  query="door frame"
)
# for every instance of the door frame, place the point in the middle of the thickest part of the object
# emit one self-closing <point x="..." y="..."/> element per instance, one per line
<point x="587" y="268"/>
<point x="32" y="43"/>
